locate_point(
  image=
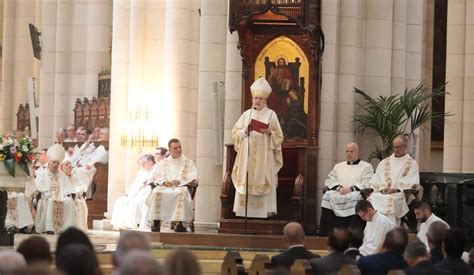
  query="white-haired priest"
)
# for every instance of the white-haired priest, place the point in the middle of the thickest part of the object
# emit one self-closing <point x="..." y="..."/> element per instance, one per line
<point x="55" y="210"/>
<point x="257" y="137"/>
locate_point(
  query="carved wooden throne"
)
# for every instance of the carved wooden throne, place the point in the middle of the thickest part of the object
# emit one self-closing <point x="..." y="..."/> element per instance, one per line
<point x="260" y="24"/>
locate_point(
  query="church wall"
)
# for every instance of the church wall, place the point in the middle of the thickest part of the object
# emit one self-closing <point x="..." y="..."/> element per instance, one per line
<point x="459" y="138"/>
<point x="155" y="66"/>
<point x="212" y="63"/>
<point x="76" y="39"/>
<point x="375" y="46"/>
<point x="17" y="59"/>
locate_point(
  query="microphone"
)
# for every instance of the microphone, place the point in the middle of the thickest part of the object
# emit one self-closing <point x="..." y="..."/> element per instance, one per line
<point x="249" y="127"/>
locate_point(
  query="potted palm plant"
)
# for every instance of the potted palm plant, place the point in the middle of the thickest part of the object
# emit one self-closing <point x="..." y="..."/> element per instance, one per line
<point x="389" y="116"/>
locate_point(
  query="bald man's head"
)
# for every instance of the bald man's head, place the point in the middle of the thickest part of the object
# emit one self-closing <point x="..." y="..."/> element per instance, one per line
<point x="293" y="233"/>
<point x="400" y="145"/>
<point x="352" y="152"/>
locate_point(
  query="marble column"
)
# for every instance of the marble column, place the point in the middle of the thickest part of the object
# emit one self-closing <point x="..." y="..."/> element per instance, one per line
<point x="459" y="128"/>
<point x="76" y="39"/>
<point x="211" y="70"/>
<point x="17" y="59"/>
<point x="154" y="65"/>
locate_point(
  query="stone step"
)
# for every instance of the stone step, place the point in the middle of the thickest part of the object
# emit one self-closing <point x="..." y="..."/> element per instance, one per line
<point x="103" y="224"/>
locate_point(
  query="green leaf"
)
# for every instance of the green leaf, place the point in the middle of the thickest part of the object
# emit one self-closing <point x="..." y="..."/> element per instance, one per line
<point x="390" y="116"/>
<point x="24" y="167"/>
<point x="10" y="166"/>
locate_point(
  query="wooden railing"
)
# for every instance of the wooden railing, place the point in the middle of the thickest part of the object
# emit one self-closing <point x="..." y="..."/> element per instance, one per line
<point x="93" y="113"/>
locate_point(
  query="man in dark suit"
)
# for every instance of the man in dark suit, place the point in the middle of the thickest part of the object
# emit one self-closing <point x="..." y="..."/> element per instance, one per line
<point x="294" y="237"/>
<point x="356" y="237"/>
<point x="453" y="247"/>
<point x="337" y="243"/>
<point x="391" y="257"/>
<point x="435" y="236"/>
<point x="418" y="259"/>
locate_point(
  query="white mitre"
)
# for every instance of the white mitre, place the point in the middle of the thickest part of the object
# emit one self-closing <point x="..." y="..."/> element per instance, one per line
<point x="261" y="88"/>
<point x="55" y="152"/>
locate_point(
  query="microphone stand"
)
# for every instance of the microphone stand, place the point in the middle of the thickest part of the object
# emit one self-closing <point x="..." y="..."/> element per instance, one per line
<point x="249" y="128"/>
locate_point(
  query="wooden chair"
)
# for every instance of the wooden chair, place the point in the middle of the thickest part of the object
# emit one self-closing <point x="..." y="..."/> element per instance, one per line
<point x="260" y="265"/>
<point x="192" y="188"/>
<point x="349" y="270"/>
<point x="233" y="264"/>
<point x="396" y="272"/>
<point x="301" y="267"/>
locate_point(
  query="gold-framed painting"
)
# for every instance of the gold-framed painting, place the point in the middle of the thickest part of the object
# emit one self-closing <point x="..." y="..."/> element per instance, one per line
<point x="285" y="66"/>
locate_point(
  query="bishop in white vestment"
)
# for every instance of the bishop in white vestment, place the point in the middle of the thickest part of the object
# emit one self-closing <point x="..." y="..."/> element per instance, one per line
<point x="170" y="200"/>
<point x="258" y="153"/>
<point x="344" y="182"/>
<point x="56" y="210"/>
<point x="393" y="175"/>
<point x="129" y="208"/>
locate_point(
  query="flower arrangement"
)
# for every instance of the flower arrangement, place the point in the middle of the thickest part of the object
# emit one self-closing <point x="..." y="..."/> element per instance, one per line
<point x="19" y="150"/>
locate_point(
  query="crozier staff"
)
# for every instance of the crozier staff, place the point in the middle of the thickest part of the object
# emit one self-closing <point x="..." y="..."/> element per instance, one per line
<point x="258" y="149"/>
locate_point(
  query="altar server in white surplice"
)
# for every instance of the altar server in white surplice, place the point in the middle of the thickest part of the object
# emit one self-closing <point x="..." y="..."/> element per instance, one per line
<point x="426" y="218"/>
<point x="259" y="152"/>
<point x="375" y="230"/>
<point x="344" y="182"/>
<point x="56" y="210"/>
<point x="170" y="200"/>
<point x="79" y="191"/>
<point x="19" y="208"/>
<point x="130" y="208"/>
<point x="393" y="175"/>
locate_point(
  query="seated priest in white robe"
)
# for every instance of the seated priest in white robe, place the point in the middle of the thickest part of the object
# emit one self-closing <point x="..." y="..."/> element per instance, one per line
<point x="88" y="156"/>
<point x="129" y="209"/>
<point x="56" y="209"/>
<point x="20" y="211"/>
<point x="394" y="174"/>
<point x="170" y="200"/>
<point x="257" y="137"/>
<point x="79" y="190"/>
<point x="375" y="230"/>
<point x="344" y="182"/>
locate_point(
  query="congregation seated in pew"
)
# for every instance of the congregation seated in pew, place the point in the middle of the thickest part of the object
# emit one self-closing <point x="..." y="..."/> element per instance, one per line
<point x="294" y="236"/>
<point x="337" y="242"/>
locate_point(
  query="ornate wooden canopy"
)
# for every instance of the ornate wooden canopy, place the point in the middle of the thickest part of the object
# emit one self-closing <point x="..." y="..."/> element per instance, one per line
<point x="258" y="23"/>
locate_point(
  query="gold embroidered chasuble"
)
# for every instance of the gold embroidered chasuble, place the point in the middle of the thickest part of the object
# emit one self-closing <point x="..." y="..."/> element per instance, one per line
<point x="262" y="155"/>
<point x="172" y="203"/>
<point x="396" y="173"/>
